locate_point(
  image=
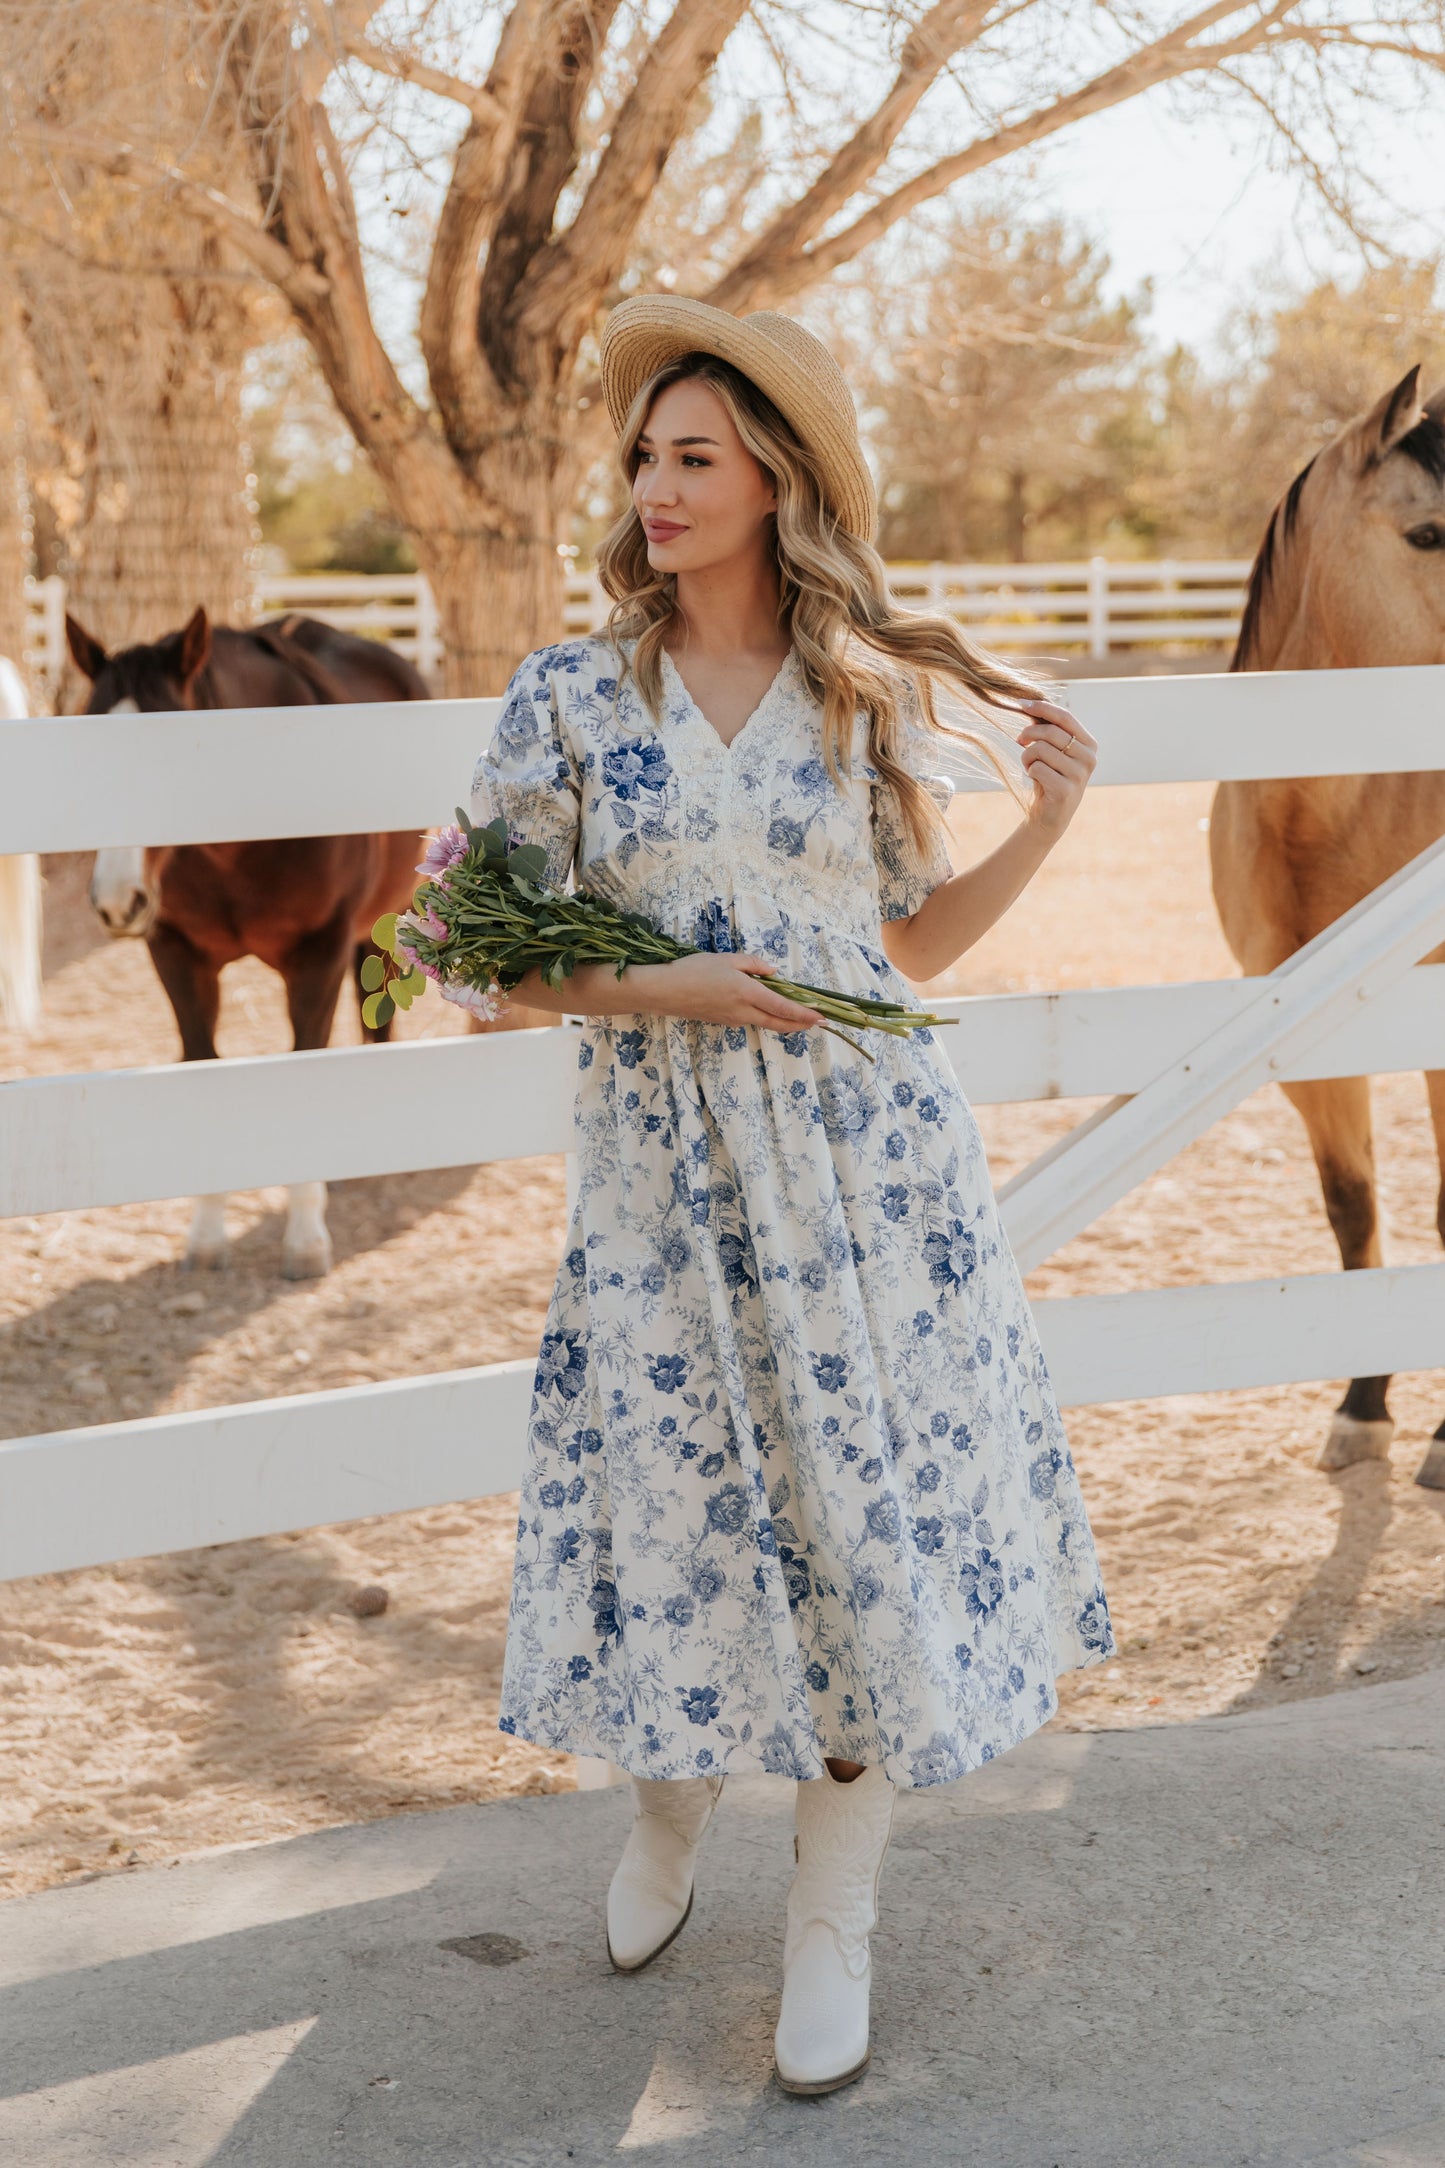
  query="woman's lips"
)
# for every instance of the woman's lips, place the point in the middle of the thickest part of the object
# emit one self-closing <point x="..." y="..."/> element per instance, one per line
<point x="662" y="530"/>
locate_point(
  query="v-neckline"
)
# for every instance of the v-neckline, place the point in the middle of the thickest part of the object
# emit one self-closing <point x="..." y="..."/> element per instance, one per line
<point x="726" y="745"/>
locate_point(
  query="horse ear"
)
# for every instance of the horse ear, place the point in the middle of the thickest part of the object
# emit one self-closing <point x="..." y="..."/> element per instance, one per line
<point x="89" y="656"/>
<point x="195" y="650"/>
<point x="1392" y="417"/>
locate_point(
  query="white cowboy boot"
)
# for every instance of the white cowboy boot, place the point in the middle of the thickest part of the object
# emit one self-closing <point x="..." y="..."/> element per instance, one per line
<point x="842" y="1834"/>
<point x="650" y="1895"/>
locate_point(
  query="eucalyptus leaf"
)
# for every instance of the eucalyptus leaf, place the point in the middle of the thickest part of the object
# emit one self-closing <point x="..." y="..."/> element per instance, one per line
<point x="529" y="860"/>
<point x="373" y="973"/>
<point x="369" y="1009"/>
<point x="383" y="933"/>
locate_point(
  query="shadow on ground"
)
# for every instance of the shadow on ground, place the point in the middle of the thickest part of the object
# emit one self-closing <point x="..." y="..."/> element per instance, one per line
<point x="1160" y="1949"/>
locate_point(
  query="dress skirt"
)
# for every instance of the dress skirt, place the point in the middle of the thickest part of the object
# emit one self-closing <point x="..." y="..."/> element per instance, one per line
<point x="797" y="1484"/>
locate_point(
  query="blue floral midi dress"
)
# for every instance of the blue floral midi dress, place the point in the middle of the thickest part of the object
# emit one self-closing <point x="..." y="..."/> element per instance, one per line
<point x="796" y="1480"/>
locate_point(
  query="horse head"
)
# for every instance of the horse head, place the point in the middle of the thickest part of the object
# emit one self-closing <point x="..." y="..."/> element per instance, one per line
<point x="151" y="679"/>
<point x="1351" y="571"/>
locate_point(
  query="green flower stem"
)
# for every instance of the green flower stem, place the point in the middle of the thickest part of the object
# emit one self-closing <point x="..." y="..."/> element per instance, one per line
<point x="502" y="922"/>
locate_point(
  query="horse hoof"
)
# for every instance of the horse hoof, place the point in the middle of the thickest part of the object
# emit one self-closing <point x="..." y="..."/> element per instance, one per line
<point x="207" y="1257"/>
<point x="312" y="1263"/>
<point x="1431" y="1472"/>
<point x="1351" y="1440"/>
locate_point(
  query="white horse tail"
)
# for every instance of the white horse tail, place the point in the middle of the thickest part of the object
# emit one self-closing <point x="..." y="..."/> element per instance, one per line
<point x="20" y="942"/>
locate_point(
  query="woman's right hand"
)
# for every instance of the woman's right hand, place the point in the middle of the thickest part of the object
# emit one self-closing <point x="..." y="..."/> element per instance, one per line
<point x="724" y="986"/>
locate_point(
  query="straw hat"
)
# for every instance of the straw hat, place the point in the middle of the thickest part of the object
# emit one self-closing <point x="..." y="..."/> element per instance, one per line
<point x="794" y="369"/>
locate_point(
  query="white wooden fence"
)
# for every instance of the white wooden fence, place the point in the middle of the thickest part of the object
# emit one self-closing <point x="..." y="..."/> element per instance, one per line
<point x="1172" y="1058"/>
<point x="1097" y="608"/>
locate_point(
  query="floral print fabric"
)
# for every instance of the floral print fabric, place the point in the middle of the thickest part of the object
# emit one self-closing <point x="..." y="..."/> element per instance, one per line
<point x="797" y="1483"/>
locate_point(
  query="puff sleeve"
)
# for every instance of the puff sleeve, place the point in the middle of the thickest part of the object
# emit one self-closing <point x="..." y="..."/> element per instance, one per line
<point x="529" y="774"/>
<point x="906" y="875"/>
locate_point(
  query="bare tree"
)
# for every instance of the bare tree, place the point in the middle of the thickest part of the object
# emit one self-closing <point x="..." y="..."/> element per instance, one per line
<point x="138" y="333"/>
<point x="564" y="137"/>
<point x="995" y="376"/>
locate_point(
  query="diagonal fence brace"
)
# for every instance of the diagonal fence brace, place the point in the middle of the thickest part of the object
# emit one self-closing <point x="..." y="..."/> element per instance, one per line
<point x="1374" y="943"/>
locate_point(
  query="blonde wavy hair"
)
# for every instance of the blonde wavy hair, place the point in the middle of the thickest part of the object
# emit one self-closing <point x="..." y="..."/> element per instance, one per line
<point x="833" y="602"/>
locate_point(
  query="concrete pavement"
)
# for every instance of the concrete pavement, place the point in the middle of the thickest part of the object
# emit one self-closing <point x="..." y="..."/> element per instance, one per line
<point x="1177" y="1948"/>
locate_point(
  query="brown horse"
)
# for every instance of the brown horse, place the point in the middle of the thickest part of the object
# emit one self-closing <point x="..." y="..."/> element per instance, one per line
<point x="305" y="906"/>
<point x="1351" y="573"/>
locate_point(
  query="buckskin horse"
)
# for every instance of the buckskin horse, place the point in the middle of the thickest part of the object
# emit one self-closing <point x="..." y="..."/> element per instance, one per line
<point x="304" y="905"/>
<point x="1351" y="573"/>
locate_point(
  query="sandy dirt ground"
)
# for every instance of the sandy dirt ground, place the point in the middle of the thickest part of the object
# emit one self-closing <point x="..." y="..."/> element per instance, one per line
<point x="229" y="1695"/>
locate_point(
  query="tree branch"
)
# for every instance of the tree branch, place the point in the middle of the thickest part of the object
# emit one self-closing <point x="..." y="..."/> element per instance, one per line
<point x="561" y="295"/>
<point x="456" y="370"/>
<point x="949" y="27"/>
<point x="307" y="210"/>
<point x="407" y="68"/>
<point x="548" y="146"/>
<point x="119" y="162"/>
<point x="111" y="266"/>
<point x="777" y="277"/>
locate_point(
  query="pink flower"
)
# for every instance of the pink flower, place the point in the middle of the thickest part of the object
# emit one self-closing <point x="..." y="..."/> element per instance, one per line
<point x="446" y="849"/>
<point x="425" y="922"/>
<point x="486" y="1005"/>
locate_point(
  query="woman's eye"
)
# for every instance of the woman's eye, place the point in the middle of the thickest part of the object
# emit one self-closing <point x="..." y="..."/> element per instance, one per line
<point x="1428" y="537"/>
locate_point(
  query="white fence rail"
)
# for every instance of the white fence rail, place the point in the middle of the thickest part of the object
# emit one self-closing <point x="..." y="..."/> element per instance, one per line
<point x="1168" y="1054"/>
<point x="1097" y="607"/>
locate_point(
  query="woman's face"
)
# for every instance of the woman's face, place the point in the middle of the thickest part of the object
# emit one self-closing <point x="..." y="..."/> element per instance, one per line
<point x="701" y="496"/>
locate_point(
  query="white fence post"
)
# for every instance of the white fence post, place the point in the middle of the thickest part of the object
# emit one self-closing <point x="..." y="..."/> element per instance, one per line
<point x="428" y="632"/>
<point x="1098" y="610"/>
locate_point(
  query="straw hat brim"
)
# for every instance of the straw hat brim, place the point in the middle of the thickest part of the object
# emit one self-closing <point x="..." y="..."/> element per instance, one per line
<point x="781" y="357"/>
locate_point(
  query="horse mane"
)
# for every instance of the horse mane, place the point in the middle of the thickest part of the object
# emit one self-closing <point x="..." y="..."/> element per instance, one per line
<point x="1262" y="572"/>
<point x="1424" y="444"/>
<point x="274" y="641"/>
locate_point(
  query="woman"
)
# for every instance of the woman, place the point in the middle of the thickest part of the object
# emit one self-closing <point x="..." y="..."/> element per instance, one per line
<point x="798" y="1496"/>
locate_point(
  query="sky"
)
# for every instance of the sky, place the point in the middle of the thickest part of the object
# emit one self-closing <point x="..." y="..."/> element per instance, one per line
<point x="1212" y="217"/>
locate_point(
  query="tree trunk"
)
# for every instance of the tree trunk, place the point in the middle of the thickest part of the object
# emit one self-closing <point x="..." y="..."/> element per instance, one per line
<point x="143" y="379"/>
<point x="497" y="598"/>
<point x="496" y="603"/>
<point x="499" y="595"/>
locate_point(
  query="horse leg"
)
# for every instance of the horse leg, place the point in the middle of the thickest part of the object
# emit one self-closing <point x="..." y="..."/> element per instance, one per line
<point x="1336" y="1112"/>
<point x="1431" y="1471"/>
<point x="313" y="972"/>
<point x="192" y="981"/>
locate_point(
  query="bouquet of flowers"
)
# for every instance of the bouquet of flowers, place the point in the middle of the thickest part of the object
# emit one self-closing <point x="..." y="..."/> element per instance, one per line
<point x="483" y="917"/>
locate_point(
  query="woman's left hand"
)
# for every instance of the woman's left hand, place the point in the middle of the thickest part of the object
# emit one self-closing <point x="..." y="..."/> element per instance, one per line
<point x="1059" y="756"/>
